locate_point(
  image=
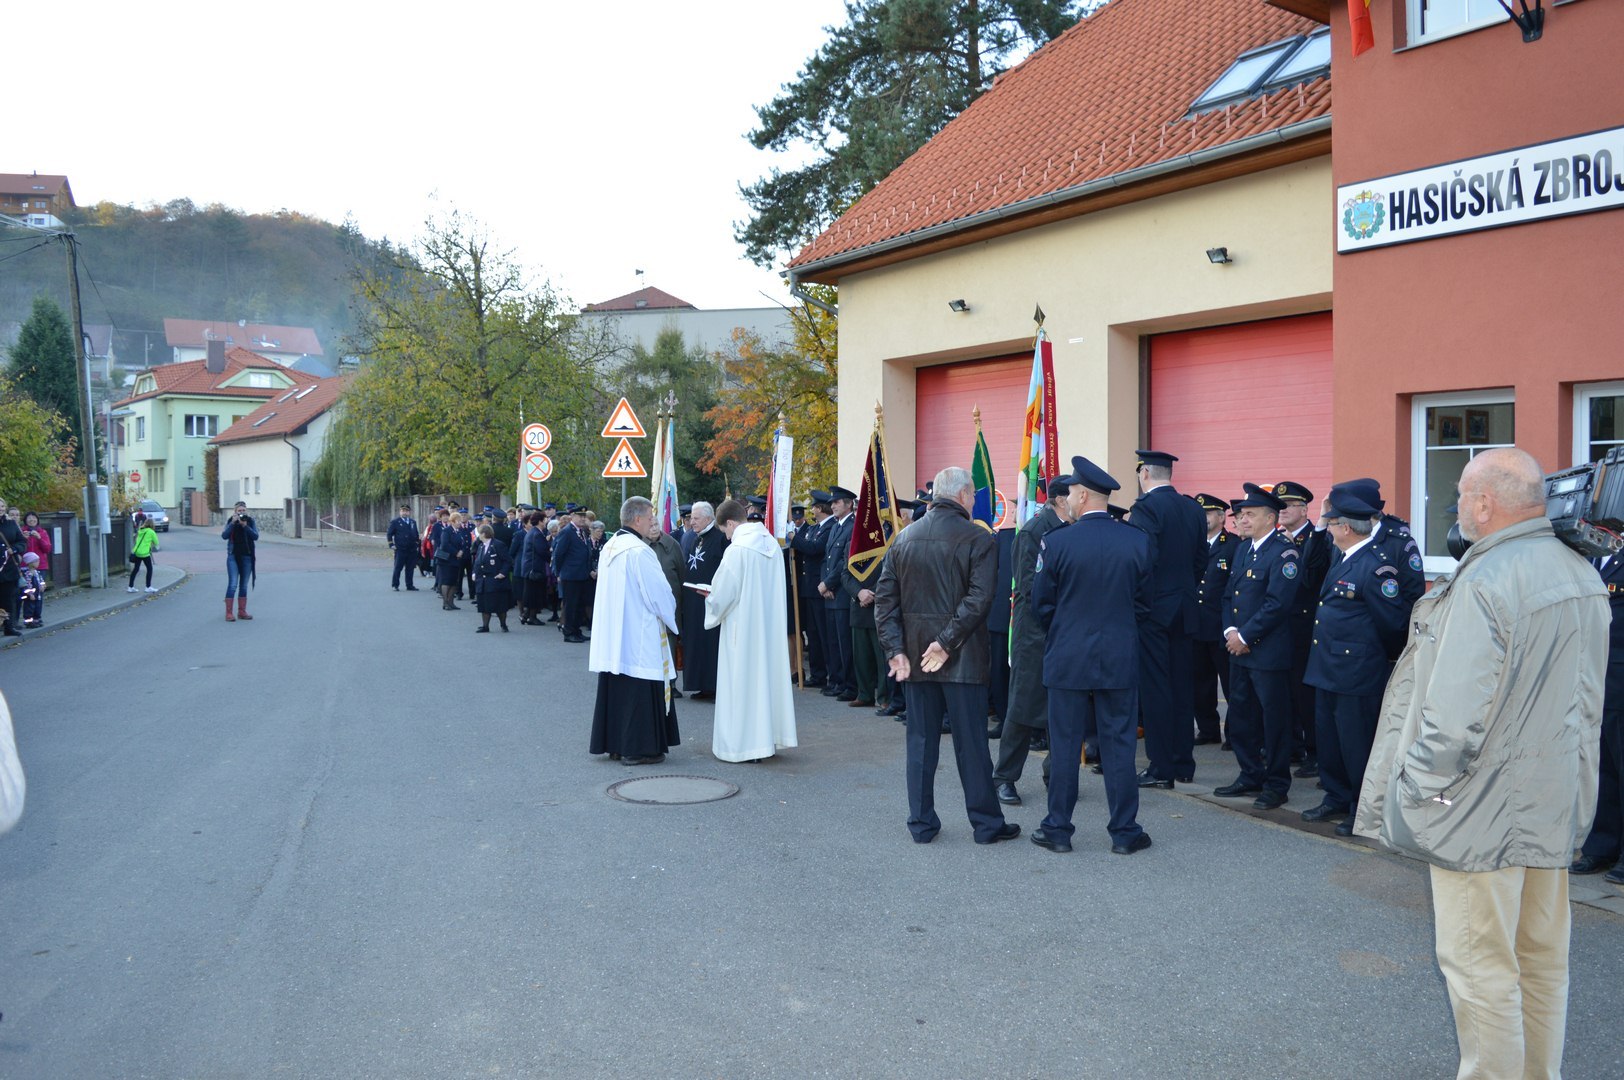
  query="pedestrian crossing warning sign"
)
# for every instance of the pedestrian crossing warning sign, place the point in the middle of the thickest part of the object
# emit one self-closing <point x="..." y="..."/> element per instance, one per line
<point x="623" y="424"/>
<point x="624" y="464"/>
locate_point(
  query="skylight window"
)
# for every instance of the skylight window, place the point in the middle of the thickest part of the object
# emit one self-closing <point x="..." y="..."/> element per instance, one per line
<point x="300" y="396"/>
<point x="1271" y="67"/>
<point x="262" y="419"/>
<point x="1311" y="60"/>
<point x="285" y="396"/>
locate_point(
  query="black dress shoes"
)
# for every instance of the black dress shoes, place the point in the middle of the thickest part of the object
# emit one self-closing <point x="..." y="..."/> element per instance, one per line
<point x="1138" y="843"/>
<point x="1206" y="740"/>
<point x="1323" y="812"/>
<point x="1148" y="781"/>
<point x="829" y="691"/>
<point x="1097" y="769"/>
<point x="845" y="697"/>
<point x="1269" y="800"/>
<point x="1236" y="790"/>
<point x="1310" y="768"/>
<point x="655" y="760"/>
<point x="1590" y="864"/>
<point x="897" y="708"/>
<point x="1345" y="827"/>
<point x="1008" y="795"/>
<point x="1008" y="831"/>
<point x="1053" y="843"/>
<point x="575" y="639"/>
<point x="1224" y="745"/>
<point x="1615" y="876"/>
<point x="1040" y="744"/>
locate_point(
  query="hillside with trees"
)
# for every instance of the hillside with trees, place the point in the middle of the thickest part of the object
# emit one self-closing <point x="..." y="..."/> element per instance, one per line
<point x="141" y="265"/>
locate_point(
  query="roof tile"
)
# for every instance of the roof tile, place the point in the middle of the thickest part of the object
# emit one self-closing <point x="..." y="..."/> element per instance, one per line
<point x="1110" y="94"/>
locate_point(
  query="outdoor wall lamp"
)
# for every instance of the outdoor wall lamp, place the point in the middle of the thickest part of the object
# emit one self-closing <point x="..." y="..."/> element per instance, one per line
<point x="1218" y="256"/>
<point x="958" y="305"/>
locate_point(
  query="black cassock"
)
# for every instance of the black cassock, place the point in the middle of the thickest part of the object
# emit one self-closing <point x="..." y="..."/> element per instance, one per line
<point x="699" y="646"/>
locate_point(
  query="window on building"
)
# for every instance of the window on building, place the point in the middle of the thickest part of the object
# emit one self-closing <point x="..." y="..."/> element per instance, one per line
<point x="1245" y="75"/>
<point x="202" y="427"/>
<point x="261" y="379"/>
<point x="1450" y="430"/>
<point x="1433" y="19"/>
<point x="189" y="473"/>
<point x="140" y="429"/>
<point x="156" y="479"/>
<point x="1598" y="420"/>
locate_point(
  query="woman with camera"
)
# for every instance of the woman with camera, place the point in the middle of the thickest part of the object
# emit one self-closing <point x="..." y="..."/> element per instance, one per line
<point x="239" y="534"/>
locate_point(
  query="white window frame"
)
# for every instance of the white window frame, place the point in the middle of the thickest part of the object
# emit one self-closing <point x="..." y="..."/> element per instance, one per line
<point x="211" y="426"/>
<point x="1583" y="394"/>
<point x="1419" y="404"/>
<point x="1493" y="15"/>
<point x="140" y="429"/>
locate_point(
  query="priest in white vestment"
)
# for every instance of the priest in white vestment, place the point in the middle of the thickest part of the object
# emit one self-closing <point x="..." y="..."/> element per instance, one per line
<point x="755" y="708"/>
<point x="634" y="720"/>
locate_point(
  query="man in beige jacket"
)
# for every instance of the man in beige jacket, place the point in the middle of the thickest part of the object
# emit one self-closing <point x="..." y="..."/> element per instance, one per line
<point x="1485" y="763"/>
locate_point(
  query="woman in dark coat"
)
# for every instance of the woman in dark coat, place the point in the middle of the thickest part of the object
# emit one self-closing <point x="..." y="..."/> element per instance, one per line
<point x="537" y="556"/>
<point x="450" y="549"/>
<point x="492" y="579"/>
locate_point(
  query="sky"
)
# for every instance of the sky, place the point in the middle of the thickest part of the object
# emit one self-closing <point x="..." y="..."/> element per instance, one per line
<point x="594" y="140"/>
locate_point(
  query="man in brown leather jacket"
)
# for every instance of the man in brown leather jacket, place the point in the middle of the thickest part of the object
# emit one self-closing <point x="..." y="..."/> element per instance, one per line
<point x="931" y="608"/>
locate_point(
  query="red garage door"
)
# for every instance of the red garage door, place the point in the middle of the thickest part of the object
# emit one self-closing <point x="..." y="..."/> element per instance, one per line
<point x="947" y="398"/>
<point x="1245" y="403"/>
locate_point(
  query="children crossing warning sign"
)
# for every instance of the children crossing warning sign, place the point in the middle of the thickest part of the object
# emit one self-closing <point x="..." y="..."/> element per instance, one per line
<point x="623" y="424"/>
<point x="624" y="464"/>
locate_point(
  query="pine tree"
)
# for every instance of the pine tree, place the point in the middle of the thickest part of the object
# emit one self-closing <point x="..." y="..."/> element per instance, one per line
<point x="882" y="85"/>
<point x="42" y="362"/>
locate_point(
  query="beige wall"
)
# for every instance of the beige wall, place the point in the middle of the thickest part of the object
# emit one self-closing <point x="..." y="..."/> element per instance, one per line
<point x="1104" y="280"/>
<point x="272" y="460"/>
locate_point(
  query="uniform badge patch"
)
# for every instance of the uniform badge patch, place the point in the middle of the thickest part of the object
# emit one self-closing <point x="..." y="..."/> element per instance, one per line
<point x="1415" y="561"/>
<point x="1289" y="569"/>
<point x="1038" y="568"/>
<point x="1389" y="588"/>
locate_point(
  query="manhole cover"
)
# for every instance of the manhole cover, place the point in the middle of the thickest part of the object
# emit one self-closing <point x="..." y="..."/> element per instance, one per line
<point x="671" y="790"/>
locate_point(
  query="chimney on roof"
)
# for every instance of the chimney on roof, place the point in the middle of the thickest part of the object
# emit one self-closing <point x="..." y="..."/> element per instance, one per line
<point x="215" y="363"/>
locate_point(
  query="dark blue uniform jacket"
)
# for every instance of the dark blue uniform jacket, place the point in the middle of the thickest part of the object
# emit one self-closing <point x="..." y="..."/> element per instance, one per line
<point x="1177" y="529"/>
<point x="1090" y="589"/>
<point x="1360" y="624"/>
<point x="1262" y="587"/>
<point x="1211" y="598"/>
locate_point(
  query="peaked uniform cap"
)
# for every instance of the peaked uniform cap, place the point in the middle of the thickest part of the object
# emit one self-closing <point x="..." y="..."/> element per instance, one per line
<point x="1092" y="477"/>
<point x="1347" y="502"/>
<point x="1260" y="497"/>
<point x="1210" y="502"/>
<point x="1292" y="491"/>
<point x="838" y="492"/>
<point x="1156" y="458"/>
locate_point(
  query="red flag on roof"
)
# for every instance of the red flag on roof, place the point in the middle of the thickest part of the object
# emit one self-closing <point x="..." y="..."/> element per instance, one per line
<point x="1364" y="37"/>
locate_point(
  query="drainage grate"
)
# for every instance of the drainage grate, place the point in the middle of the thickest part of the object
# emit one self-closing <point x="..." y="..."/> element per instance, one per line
<point x="671" y="790"/>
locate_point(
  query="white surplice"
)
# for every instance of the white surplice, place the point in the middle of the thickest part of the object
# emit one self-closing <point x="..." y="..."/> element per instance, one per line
<point x="632" y="610"/>
<point x="755" y="707"/>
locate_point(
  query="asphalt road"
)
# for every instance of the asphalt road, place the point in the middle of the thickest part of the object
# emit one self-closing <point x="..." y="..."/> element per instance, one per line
<point x="353" y="839"/>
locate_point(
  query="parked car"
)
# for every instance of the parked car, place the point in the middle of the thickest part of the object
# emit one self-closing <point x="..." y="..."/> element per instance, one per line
<point x="155" y="514"/>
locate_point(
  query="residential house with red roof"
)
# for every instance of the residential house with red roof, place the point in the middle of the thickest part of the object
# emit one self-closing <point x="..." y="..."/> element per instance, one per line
<point x="638" y="318"/>
<point x="177" y="408"/>
<point x="265" y="456"/>
<point x="189" y="339"/>
<point x="1157" y="179"/>
<point x="37" y="198"/>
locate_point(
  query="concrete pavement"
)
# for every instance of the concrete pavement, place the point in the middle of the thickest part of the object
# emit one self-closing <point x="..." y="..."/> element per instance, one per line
<point x="354" y="839"/>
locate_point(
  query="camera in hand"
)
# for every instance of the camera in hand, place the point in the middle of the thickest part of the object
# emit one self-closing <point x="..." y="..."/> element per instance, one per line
<point x="1585" y="505"/>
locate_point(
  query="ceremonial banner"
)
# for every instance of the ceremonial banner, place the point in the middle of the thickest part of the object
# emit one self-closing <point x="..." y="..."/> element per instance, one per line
<point x="876" y="511"/>
<point x="984" y="510"/>
<point x="665" y="471"/>
<point x="1040" y="442"/>
<point x="778" y="485"/>
<point x="1363" y="34"/>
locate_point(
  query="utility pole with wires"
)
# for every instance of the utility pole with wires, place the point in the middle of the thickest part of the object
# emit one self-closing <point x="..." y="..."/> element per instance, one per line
<point x="97" y="523"/>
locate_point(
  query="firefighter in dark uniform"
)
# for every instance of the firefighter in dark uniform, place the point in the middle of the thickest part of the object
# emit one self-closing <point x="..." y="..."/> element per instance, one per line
<point x="1360" y="623"/>
<point x="1392" y="535"/>
<point x="1211" y="664"/>
<point x="836" y="600"/>
<point x="1177" y="530"/>
<point x="1092" y="587"/>
<point x="1262" y="587"/>
<point x="1315" y="548"/>
<point x="407" y="541"/>
<point x="808" y="541"/>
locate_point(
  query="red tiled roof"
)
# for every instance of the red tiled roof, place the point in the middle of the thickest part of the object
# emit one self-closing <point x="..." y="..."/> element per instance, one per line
<point x="33" y="185"/>
<point x="194" y="333"/>
<point x="1108" y="96"/>
<point x="285" y="414"/>
<point x="645" y="299"/>
<point x="191" y="377"/>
